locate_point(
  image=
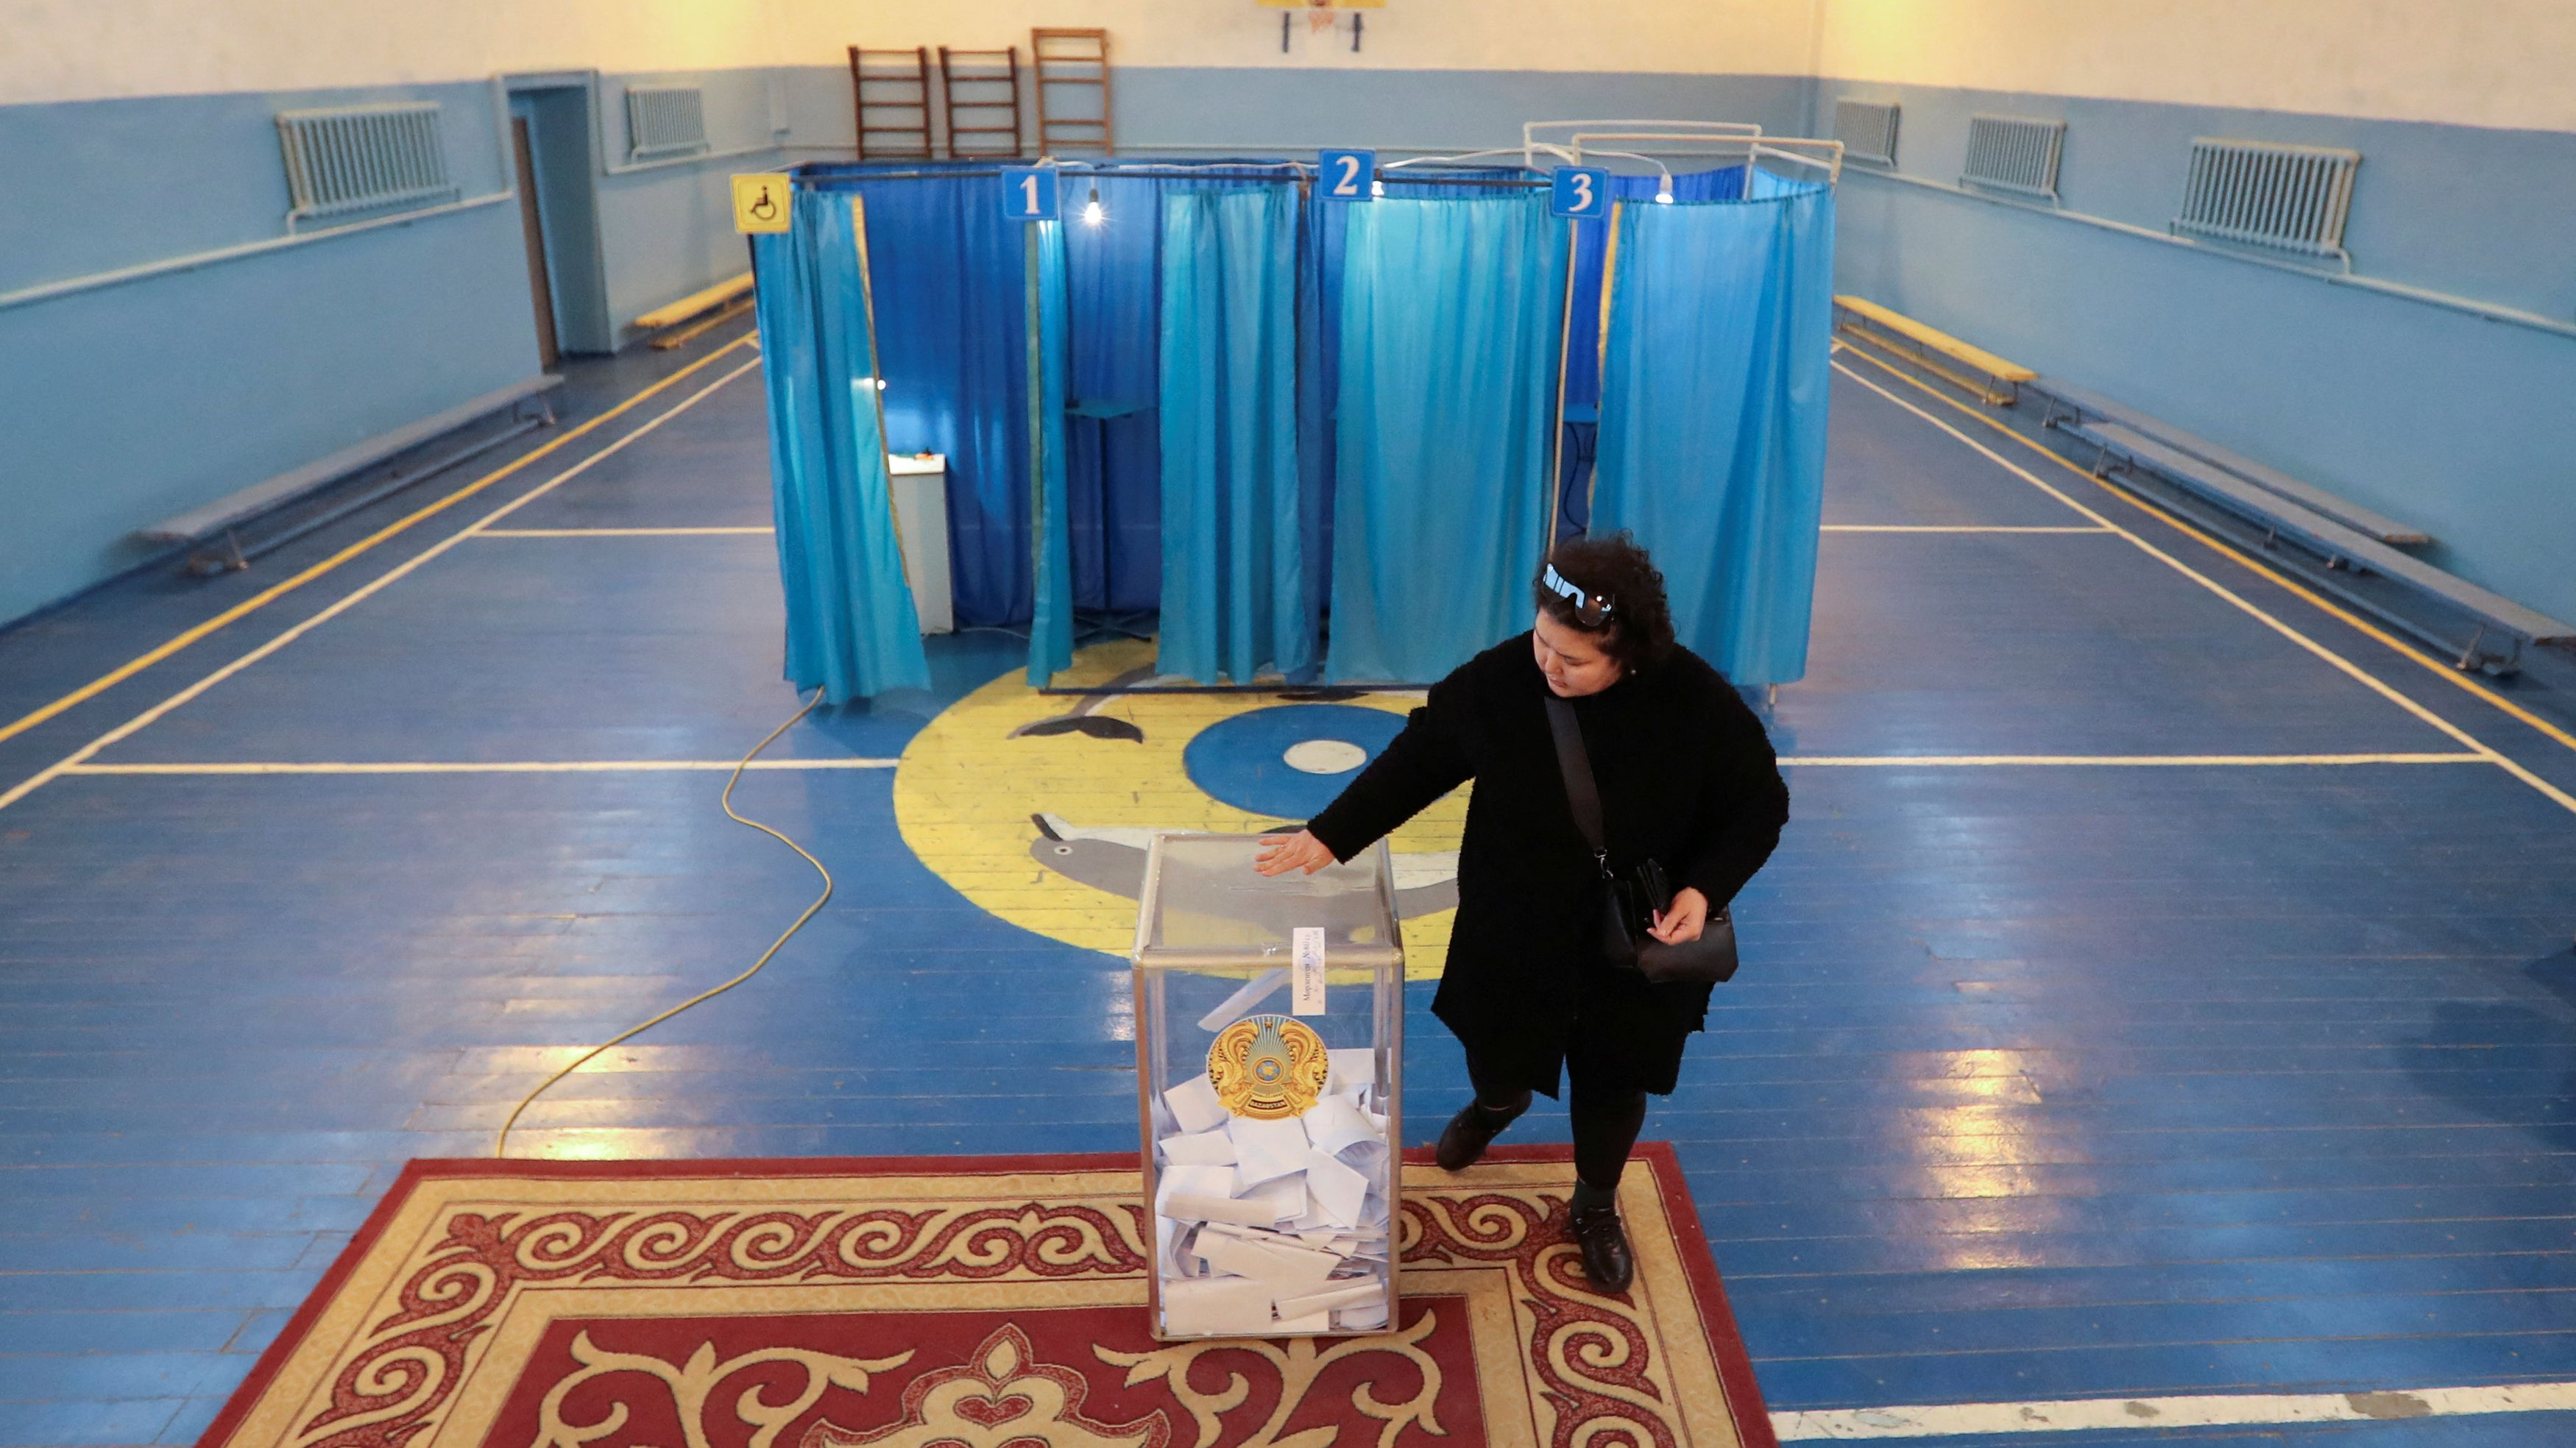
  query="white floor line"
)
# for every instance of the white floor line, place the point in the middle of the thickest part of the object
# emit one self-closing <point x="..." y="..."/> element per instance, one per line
<point x="515" y="766"/>
<point x="2092" y="1415"/>
<point x="130" y="727"/>
<point x="711" y="532"/>
<point x="1953" y="528"/>
<point x="2337" y="661"/>
<point x="2190" y="761"/>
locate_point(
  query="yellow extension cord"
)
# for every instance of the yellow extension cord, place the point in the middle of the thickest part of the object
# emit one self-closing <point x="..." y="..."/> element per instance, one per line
<point x="501" y="1146"/>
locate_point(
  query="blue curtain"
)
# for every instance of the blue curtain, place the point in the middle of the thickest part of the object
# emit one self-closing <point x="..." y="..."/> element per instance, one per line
<point x="1451" y="313"/>
<point x="1319" y="349"/>
<point x="951" y="326"/>
<point x="1112" y="467"/>
<point x="1583" y="332"/>
<point x="851" y="628"/>
<point x="1050" y="365"/>
<point x="949" y="283"/>
<point x="1233" y="565"/>
<point x="1713" y="415"/>
<point x="1591" y="243"/>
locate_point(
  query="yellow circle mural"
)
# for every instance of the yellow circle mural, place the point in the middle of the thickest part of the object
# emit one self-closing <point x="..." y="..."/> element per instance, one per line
<point x="1038" y="807"/>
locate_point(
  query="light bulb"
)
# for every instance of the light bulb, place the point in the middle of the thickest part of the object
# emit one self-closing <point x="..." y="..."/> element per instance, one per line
<point x="1091" y="213"/>
<point x="1664" y="197"/>
<point x="1377" y="188"/>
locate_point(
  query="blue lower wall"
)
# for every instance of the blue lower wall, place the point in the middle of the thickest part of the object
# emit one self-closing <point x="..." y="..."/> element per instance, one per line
<point x="130" y="402"/>
<point x="2457" y="423"/>
<point x="667" y="230"/>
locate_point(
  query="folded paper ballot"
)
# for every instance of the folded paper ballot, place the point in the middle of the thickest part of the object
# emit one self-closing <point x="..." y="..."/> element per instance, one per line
<point x="1367" y="1317"/>
<point x="1195" y="1181"/>
<point x="1173" y="1237"/>
<point x="1265" y="1150"/>
<point x="1352" y="1070"/>
<point x="1287" y="1271"/>
<point x="1335" y="1126"/>
<point x="1199" y="1148"/>
<point x="1330" y="1298"/>
<point x="1337" y="1191"/>
<point x="1190" y="1207"/>
<point x="1217" y="1307"/>
<point x="1194" y="1104"/>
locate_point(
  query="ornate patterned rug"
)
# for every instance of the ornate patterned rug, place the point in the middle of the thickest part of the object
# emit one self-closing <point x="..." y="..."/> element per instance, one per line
<point x="970" y="1302"/>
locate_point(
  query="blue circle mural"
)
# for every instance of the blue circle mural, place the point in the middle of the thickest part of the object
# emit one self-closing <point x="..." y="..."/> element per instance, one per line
<point x="1287" y="762"/>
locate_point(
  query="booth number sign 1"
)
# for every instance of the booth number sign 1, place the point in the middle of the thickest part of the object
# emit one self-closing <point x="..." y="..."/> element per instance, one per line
<point x="1029" y="193"/>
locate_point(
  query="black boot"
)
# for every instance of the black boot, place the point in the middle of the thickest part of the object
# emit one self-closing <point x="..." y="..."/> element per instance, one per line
<point x="1469" y="1132"/>
<point x="1606" y="1258"/>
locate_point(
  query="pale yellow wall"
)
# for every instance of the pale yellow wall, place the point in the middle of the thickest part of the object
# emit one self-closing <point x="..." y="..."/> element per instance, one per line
<point x="53" y="50"/>
<point x="2481" y="62"/>
<point x="1738" y="37"/>
<point x="2471" y="62"/>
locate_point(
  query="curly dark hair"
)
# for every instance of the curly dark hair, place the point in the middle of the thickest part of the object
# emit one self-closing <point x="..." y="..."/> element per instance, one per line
<point x="1639" y="631"/>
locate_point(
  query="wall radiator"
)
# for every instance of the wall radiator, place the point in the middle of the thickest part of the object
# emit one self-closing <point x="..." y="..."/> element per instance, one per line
<point x="1867" y="130"/>
<point x="2014" y="153"/>
<point x="664" y="120"/>
<point x="363" y="158"/>
<point x="2256" y="193"/>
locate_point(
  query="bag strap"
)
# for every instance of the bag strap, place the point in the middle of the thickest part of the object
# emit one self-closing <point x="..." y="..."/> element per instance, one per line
<point x="1582" y="796"/>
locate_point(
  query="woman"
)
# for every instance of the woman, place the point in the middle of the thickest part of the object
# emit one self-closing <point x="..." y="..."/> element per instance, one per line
<point x="1686" y="777"/>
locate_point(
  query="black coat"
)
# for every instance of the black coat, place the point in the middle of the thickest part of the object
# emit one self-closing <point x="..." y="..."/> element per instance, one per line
<point x="1686" y="776"/>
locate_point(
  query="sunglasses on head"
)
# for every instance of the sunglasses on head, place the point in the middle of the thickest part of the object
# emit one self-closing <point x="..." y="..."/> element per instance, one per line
<point x="1590" y="609"/>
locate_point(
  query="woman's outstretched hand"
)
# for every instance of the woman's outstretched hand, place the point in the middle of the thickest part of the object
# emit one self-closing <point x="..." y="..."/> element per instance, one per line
<point x="1283" y="853"/>
<point x="1681" y="922"/>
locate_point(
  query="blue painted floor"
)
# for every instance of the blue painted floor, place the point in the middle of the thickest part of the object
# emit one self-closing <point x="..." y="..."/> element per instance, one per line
<point x="2041" y="1080"/>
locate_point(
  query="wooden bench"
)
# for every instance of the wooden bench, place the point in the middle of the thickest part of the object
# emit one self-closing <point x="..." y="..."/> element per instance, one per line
<point x="2065" y="400"/>
<point x="1992" y="378"/>
<point x="2122" y="447"/>
<point x="222" y="519"/>
<point x="718" y="298"/>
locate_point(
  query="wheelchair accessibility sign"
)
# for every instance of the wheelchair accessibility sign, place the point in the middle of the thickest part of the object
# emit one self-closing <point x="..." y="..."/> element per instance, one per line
<point x="760" y="202"/>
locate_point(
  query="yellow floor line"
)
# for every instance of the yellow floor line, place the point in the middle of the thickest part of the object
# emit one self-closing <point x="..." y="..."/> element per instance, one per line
<point x="441" y="766"/>
<point x="2440" y="669"/>
<point x="620" y="532"/>
<point x="2329" y="656"/>
<point x="283" y="587"/>
<point x="351" y="599"/>
<point x="1952" y="528"/>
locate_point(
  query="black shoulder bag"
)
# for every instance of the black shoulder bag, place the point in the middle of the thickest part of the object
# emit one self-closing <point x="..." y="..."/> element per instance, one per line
<point x="1629" y="902"/>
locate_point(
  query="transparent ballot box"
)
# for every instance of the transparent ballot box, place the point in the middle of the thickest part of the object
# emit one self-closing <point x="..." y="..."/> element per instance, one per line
<point x="1269" y="1025"/>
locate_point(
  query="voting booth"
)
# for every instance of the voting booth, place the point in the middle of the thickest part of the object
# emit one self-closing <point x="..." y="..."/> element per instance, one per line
<point x="1269" y="1028"/>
